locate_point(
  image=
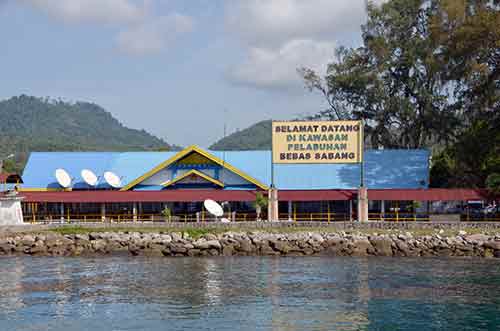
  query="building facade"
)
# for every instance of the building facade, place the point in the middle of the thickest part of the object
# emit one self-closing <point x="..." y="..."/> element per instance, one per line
<point x="149" y="182"/>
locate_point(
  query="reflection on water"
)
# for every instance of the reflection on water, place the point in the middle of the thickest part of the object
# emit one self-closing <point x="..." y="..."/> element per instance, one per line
<point x="249" y="293"/>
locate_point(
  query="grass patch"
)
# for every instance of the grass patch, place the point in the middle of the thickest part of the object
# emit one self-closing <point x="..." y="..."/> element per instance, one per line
<point x="196" y="232"/>
<point x="192" y="232"/>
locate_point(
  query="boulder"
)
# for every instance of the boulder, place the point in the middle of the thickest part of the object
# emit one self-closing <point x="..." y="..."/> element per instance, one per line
<point x="99" y="245"/>
<point x="213" y="252"/>
<point x="383" y="246"/>
<point x="27" y="240"/>
<point x="403" y="248"/>
<point x="193" y="252"/>
<point x="281" y="246"/>
<point x="361" y="247"/>
<point x="207" y="244"/>
<point x="176" y="236"/>
<point x="265" y="249"/>
<point x="316" y="237"/>
<point x="228" y="250"/>
<point x="210" y="236"/>
<point x="37" y="249"/>
<point x="495" y="245"/>
<point x="178" y="249"/>
<point x="476" y="238"/>
<point x="246" y="246"/>
<point x="6" y="248"/>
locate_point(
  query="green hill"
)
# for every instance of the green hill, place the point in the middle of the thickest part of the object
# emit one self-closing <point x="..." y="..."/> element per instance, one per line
<point x="255" y="137"/>
<point x="35" y="124"/>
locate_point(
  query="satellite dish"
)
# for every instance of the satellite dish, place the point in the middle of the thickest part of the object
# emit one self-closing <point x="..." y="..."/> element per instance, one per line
<point x="63" y="178"/>
<point x="112" y="179"/>
<point x="213" y="208"/>
<point x="89" y="177"/>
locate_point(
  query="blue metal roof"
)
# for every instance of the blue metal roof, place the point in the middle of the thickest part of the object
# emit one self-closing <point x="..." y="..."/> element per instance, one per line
<point x="383" y="169"/>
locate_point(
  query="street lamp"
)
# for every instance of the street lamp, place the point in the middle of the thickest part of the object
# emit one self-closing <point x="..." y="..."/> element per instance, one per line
<point x="3" y="159"/>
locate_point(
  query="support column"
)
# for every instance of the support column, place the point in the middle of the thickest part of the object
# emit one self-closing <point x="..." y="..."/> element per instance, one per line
<point x="272" y="209"/>
<point x="382" y="209"/>
<point x="62" y="211"/>
<point x="134" y="212"/>
<point x="362" y="204"/>
<point x="350" y="210"/>
<point x="290" y="211"/>
<point x="103" y="212"/>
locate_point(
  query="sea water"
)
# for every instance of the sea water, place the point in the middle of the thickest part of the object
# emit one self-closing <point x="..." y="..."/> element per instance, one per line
<point x="249" y="293"/>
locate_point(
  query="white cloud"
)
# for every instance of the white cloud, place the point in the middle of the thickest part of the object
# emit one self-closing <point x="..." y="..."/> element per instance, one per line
<point x="271" y="23"/>
<point x="140" y="31"/>
<point x="103" y="11"/>
<point x="281" y="36"/>
<point x="154" y="35"/>
<point x="267" y="67"/>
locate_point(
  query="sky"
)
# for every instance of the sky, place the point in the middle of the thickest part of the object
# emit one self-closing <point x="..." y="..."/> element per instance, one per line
<point x="179" y="69"/>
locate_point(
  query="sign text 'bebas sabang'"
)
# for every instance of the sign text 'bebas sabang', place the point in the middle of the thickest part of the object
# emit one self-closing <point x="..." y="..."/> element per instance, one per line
<point x="317" y="142"/>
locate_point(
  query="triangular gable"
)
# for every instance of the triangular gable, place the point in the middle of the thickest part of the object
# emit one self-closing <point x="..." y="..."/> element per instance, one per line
<point x="185" y="153"/>
<point x="196" y="173"/>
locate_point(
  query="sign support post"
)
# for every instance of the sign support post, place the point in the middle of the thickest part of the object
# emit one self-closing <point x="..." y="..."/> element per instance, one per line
<point x="272" y="206"/>
<point x="362" y="191"/>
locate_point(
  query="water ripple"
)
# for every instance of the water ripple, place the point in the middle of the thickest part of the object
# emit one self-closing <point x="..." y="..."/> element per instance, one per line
<point x="249" y="293"/>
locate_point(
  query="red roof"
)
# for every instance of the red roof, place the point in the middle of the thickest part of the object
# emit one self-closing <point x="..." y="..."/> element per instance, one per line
<point x="179" y="195"/>
<point x="316" y="195"/>
<point x="237" y="195"/>
<point x="433" y="194"/>
<point x="137" y="196"/>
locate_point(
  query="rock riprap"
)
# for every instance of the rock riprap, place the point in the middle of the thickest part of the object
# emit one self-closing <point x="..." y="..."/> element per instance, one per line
<point x="252" y="243"/>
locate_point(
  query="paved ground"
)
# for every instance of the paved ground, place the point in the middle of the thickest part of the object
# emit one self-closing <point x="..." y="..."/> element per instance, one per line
<point x="262" y="225"/>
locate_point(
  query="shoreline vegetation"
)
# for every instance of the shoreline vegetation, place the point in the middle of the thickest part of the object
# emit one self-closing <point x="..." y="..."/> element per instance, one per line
<point x="224" y="241"/>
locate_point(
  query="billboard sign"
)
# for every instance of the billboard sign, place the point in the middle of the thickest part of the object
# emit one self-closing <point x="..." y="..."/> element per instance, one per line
<point x="317" y="142"/>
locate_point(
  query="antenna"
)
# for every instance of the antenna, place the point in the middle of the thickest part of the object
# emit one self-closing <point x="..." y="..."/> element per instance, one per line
<point x="63" y="178"/>
<point x="225" y="134"/>
<point x="213" y="208"/>
<point x="89" y="177"/>
<point x="112" y="179"/>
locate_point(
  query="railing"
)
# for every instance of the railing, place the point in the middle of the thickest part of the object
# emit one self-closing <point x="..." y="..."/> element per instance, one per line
<point x="117" y="218"/>
<point x="193" y="217"/>
<point x="243" y="217"/>
<point x="311" y="217"/>
<point x="398" y="216"/>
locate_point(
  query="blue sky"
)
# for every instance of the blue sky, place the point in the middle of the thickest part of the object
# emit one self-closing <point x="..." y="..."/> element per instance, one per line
<point x="176" y="68"/>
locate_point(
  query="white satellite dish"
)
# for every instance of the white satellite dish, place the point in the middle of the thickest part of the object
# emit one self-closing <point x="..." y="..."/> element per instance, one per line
<point x="112" y="179"/>
<point x="63" y="178"/>
<point x="89" y="177"/>
<point x="213" y="208"/>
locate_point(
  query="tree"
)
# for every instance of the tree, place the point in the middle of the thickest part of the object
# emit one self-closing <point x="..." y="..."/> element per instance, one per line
<point x="493" y="183"/>
<point x="415" y="71"/>
<point x="471" y="160"/>
<point x="167" y="213"/>
<point x="468" y="32"/>
<point x="392" y="80"/>
<point x="426" y="75"/>
<point x="260" y="202"/>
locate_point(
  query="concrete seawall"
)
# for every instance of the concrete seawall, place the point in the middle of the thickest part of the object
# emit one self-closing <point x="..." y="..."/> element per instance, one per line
<point x="28" y="227"/>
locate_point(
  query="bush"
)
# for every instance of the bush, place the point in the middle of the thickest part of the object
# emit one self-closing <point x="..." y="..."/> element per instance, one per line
<point x="167" y="213"/>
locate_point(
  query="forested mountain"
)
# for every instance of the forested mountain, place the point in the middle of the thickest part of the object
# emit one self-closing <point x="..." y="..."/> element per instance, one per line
<point x="255" y="137"/>
<point x="35" y="124"/>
